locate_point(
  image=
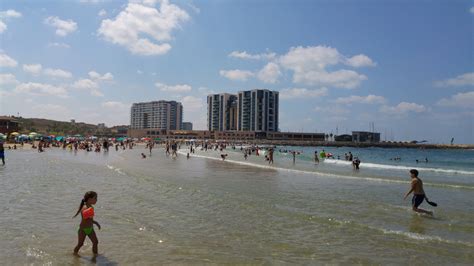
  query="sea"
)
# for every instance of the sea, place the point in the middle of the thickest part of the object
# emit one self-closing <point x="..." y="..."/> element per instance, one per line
<point x="205" y="210"/>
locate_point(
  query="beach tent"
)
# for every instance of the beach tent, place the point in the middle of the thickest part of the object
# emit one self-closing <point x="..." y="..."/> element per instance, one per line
<point x="59" y="138"/>
<point x="120" y="139"/>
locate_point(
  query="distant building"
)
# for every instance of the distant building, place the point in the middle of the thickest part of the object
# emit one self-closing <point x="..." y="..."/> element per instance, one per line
<point x="187" y="126"/>
<point x="101" y="125"/>
<point x="344" y="137"/>
<point x="365" y="136"/>
<point x="119" y="131"/>
<point x="222" y="112"/>
<point x="257" y="110"/>
<point x="8" y="125"/>
<point x="157" y="115"/>
<point x="73" y="121"/>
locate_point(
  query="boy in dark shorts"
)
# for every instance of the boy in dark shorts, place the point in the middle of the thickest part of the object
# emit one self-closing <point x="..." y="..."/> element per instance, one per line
<point x="2" y="153"/>
<point x="418" y="192"/>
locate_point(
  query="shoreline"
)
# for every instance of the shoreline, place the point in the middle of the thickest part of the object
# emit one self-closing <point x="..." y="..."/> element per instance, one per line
<point x="364" y="145"/>
<point x="326" y="144"/>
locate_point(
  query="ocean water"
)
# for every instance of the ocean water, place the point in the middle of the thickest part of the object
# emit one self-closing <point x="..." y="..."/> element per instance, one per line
<point x="203" y="210"/>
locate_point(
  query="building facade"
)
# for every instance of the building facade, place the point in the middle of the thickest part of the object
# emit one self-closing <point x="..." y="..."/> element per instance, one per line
<point x="157" y="114"/>
<point x="365" y="136"/>
<point x="8" y="125"/>
<point x="257" y="110"/>
<point x="222" y="112"/>
<point x="187" y="126"/>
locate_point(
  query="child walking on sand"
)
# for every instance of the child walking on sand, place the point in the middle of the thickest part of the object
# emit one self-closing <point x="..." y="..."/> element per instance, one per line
<point x="86" y="227"/>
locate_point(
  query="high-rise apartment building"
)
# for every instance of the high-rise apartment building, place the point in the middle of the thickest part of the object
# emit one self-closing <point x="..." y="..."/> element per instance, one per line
<point x="222" y="112"/>
<point x="257" y="110"/>
<point x="157" y="114"/>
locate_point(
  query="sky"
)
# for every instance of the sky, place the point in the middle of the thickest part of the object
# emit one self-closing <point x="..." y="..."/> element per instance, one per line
<point x="407" y="67"/>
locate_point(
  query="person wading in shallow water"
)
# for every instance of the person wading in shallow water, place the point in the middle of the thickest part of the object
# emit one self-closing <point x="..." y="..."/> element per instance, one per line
<point x="86" y="227"/>
<point x="418" y="192"/>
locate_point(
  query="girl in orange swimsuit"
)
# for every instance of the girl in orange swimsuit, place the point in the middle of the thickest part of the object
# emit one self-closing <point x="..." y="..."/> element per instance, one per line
<point x="86" y="227"/>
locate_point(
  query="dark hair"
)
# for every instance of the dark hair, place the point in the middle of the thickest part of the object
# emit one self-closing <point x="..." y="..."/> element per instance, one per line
<point x="414" y="171"/>
<point x="87" y="196"/>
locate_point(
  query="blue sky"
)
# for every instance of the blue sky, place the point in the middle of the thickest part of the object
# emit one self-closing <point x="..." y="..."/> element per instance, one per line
<point x="407" y="66"/>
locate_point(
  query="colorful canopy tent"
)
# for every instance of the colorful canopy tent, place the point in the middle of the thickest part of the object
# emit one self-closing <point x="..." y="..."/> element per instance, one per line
<point x="120" y="139"/>
<point x="157" y="139"/>
<point x="59" y="138"/>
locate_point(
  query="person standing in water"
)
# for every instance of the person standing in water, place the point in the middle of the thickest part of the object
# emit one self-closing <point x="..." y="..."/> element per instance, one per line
<point x="316" y="159"/>
<point x="2" y="153"/>
<point x="418" y="192"/>
<point x="270" y="156"/>
<point x="86" y="228"/>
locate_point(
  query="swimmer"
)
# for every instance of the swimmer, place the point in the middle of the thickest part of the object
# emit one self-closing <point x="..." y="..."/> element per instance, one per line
<point x="143" y="156"/>
<point x="245" y="155"/>
<point x="356" y="163"/>
<point x="418" y="192"/>
<point x="86" y="228"/>
<point x="187" y="156"/>
<point x="316" y="159"/>
<point x="223" y="156"/>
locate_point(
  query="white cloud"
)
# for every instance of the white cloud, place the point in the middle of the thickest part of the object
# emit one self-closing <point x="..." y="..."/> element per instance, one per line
<point x="269" y="73"/>
<point x="309" y="66"/>
<point x="404" y="108"/>
<point x="236" y="74"/>
<point x="301" y="93"/>
<point x="10" y="13"/>
<point x="59" y="44"/>
<point x="34" y="69"/>
<point x="85" y="84"/>
<point x="463" y="100"/>
<point x="7" y="78"/>
<point x="347" y="79"/>
<point x="6" y="61"/>
<point x="90" y="85"/>
<point x="102" y="13"/>
<point x="369" y="99"/>
<point x="115" y="105"/>
<point x="96" y="76"/>
<point x="466" y="79"/>
<point x="142" y="19"/>
<point x="360" y="61"/>
<point x="5" y="15"/>
<point x="245" y="55"/>
<point x="63" y="27"/>
<point x="139" y="72"/>
<point x="471" y="10"/>
<point x="173" y="88"/>
<point x="33" y="88"/>
<point x="57" y="73"/>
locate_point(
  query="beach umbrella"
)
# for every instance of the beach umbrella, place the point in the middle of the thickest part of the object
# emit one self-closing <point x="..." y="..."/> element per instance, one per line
<point x="2" y="136"/>
<point x="158" y="139"/>
<point x="14" y="134"/>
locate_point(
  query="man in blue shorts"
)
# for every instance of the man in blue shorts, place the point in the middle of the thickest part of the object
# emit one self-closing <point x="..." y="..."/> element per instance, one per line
<point x="418" y="192"/>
